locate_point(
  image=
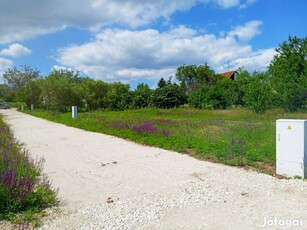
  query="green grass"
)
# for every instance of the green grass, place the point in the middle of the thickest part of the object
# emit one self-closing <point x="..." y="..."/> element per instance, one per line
<point x="234" y="137"/>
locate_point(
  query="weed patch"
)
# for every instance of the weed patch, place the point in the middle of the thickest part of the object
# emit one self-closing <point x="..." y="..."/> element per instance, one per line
<point x="234" y="137"/>
<point x="24" y="191"/>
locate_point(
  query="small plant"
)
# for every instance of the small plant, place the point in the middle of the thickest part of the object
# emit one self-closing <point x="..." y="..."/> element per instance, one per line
<point x="298" y="177"/>
<point x="237" y="152"/>
<point x="145" y="128"/>
<point x="120" y="125"/>
<point x="150" y="128"/>
<point x="23" y="189"/>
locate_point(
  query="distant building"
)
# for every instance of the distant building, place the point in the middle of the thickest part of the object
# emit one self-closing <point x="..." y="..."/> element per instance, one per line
<point x="230" y="74"/>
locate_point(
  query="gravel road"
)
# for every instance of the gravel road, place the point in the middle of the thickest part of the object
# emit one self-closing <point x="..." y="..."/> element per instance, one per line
<point x="108" y="183"/>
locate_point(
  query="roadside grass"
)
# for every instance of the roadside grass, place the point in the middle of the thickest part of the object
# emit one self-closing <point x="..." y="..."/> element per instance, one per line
<point x="235" y="137"/>
<point x="24" y="191"/>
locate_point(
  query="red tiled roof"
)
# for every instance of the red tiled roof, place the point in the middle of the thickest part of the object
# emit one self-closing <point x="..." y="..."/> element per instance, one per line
<point x="228" y="74"/>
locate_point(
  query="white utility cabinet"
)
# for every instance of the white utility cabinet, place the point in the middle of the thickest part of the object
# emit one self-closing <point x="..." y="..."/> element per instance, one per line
<point x="291" y="147"/>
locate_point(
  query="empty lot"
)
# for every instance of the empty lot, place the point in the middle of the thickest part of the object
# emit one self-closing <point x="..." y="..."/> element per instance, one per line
<point x="107" y="182"/>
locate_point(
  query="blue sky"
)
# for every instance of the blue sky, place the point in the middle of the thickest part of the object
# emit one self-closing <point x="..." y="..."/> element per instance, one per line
<point x="141" y="41"/>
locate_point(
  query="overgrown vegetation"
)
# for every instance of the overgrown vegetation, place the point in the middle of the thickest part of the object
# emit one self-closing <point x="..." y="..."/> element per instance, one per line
<point x="24" y="191"/>
<point x="235" y="136"/>
<point x="283" y="85"/>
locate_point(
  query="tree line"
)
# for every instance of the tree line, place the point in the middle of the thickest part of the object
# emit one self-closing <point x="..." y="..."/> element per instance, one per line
<point x="282" y="85"/>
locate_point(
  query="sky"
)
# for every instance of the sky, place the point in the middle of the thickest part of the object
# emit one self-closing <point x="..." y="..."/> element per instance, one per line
<point x="135" y="41"/>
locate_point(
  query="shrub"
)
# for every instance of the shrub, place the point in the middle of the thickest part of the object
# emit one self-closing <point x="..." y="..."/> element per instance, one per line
<point x="259" y="93"/>
<point x="169" y="96"/>
<point x="219" y="96"/>
<point x="23" y="188"/>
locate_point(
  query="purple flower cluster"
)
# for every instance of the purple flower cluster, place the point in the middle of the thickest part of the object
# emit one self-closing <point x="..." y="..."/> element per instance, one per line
<point x="19" y="173"/>
<point x="145" y="128"/>
<point x="150" y="128"/>
<point x="166" y="133"/>
<point x="19" y="187"/>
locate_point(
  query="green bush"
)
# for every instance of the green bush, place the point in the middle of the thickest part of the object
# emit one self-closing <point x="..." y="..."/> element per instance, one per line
<point x="259" y="93"/>
<point x="219" y="96"/>
<point x="169" y="96"/>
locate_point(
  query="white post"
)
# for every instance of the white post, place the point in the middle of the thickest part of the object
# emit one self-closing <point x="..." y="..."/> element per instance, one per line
<point x="22" y="108"/>
<point x="32" y="107"/>
<point x="74" y="112"/>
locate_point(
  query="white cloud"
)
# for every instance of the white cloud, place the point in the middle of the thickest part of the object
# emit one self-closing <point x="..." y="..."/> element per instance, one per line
<point x="57" y="67"/>
<point x="256" y="61"/>
<point x="230" y="3"/>
<point x="126" y="55"/>
<point x="21" y="19"/>
<point x="247" y="31"/>
<point x="247" y="3"/>
<point x="15" y="50"/>
<point x="5" y="64"/>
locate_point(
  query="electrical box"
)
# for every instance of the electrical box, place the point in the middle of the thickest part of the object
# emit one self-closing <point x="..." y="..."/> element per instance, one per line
<point x="291" y="147"/>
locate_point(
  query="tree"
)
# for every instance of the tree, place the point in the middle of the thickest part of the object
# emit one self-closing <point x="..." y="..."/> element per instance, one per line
<point x="32" y="93"/>
<point x="259" y="93"/>
<point x="288" y="70"/>
<point x="219" y="96"/>
<point x="169" y="96"/>
<point x="161" y="83"/>
<point x="242" y="80"/>
<point x="17" y="79"/>
<point x="193" y="77"/>
<point x="142" y="96"/>
<point x="6" y="93"/>
<point x="95" y="93"/>
<point x="118" y="96"/>
<point x="62" y="89"/>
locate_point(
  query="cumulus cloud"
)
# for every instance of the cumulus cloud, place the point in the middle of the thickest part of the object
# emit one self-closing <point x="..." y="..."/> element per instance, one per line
<point x="257" y="61"/>
<point x="118" y="54"/>
<point x="247" y="31"/>
<point x="21" y="19"/>
<point x="15" y="50"/>
<point x="4" y="65"/>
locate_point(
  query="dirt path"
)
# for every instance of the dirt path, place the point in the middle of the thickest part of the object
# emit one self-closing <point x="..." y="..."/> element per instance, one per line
<point x="150" y="188"/>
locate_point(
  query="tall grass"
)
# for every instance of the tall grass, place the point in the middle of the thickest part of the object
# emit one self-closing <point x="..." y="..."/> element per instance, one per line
<point x="234" y="137"/>
<point x="23" y="189"/>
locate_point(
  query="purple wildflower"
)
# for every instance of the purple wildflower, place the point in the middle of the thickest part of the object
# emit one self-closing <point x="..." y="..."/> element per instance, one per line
<point x="145" y="128"/>
<point x="150" y="128"/>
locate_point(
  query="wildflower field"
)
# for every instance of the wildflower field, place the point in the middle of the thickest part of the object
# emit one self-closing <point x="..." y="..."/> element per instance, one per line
<point x="235" y="137"/>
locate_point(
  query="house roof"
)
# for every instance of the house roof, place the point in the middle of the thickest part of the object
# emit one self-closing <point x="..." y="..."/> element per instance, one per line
<point x="228" y="74"/>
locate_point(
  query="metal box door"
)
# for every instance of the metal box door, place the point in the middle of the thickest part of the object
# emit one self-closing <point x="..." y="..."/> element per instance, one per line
<point x="290" y="147"/>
